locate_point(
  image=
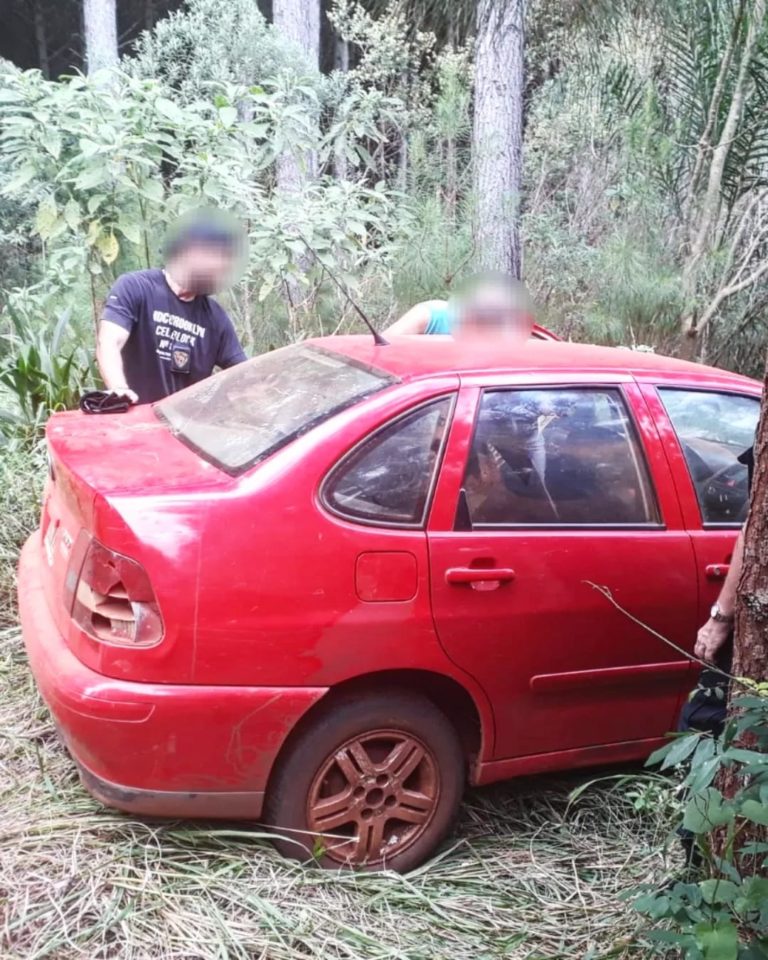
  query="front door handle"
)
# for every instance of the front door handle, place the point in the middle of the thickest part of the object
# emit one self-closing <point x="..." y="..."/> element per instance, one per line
<point x="480" y="575"/>
<point x="717" y="571"/>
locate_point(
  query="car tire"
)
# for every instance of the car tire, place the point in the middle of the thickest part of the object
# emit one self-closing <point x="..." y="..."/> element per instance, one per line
<point x="374" y="783"/>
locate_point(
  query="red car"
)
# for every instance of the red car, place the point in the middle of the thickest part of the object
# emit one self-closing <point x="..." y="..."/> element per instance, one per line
<point x="328" y="587"/>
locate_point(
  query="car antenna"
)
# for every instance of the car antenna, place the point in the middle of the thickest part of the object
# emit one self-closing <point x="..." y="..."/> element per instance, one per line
<point x="378" y="339"/>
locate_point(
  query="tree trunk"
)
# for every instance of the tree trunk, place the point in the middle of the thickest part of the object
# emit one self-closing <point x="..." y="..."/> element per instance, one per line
<point x="750" y="651"/>
<point x="299" y="22"/>
<point x="150" y="14"/>
<point x="497" y="137"/>
<point x="41" y="40"/>
<point x="100" y="20"/>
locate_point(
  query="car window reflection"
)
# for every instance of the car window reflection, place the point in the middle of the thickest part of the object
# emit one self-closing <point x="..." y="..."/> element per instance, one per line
<point x="714" y="430"/>
<point x="562" y="457"/>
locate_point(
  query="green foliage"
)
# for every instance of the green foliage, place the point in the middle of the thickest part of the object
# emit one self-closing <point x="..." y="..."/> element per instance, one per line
<point x="22" y="475"/>
<point x="207" y="44"/>
<point x="41" y="372"/>
<point x="724" y="915"/>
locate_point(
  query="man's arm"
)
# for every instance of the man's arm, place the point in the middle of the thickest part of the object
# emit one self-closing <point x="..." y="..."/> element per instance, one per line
<point x="416" y="320"/>
<point x="714" y="633"/>
<point x="117" y="321"/>
<point x="109" y="346"/>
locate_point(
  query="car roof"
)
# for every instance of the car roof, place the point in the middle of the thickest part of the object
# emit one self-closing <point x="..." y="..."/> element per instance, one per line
<point x="416" y="357"/>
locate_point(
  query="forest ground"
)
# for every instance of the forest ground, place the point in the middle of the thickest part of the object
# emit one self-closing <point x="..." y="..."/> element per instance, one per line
<point x="527" y="874"/>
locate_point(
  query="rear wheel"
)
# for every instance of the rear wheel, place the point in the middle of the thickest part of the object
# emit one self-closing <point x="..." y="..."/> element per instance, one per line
<point x="374" y="783"/>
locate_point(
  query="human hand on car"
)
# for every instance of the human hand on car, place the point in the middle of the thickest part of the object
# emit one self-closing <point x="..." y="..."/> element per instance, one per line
<point x="710" y="638"/>
<point x="126" y="392"/>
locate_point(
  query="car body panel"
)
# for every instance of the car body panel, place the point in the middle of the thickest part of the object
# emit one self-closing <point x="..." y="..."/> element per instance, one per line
<point x="563" y="667"/>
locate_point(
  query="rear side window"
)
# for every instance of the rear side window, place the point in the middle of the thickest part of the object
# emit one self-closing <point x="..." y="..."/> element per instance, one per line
<point x="714" y="430"/>
<point x="387" y="480"/>
<point x="242" y="415"/>
<point x="555" y="457"/>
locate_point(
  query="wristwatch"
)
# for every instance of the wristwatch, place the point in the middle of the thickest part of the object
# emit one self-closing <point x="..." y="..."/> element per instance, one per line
<point x="717" y="614"/>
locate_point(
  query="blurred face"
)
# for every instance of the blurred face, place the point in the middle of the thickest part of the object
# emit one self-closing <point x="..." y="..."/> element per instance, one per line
<point x="203" y="269"/>
<point x="493" y="312"/>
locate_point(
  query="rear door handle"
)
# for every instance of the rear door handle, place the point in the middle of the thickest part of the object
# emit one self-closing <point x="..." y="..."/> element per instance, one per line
<point x="459" y="575"/>
<point x="717" y="571"/>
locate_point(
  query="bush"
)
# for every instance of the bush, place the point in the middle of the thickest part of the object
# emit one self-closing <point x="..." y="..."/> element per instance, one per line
<point x="722" y="915"/>
<point x="22" y="475"/>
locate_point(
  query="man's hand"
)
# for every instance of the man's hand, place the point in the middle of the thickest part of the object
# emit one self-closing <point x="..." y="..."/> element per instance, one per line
<point x="126" y="392"/>
<point x="710" y="638"/>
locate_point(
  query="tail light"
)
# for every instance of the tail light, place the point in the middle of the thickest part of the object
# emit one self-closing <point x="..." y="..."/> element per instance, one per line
<point x="110" y="597"/>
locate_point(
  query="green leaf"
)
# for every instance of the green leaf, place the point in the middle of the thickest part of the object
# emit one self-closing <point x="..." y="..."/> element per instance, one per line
<point x="53" y="143"/>
<point x="228" y="116"/>
<point x="168" y="109"/>
<point x="658" y="755"/>
<point x="746" y="756"/>
<point x="755" y="811"/>
<point x="153" y="190"/>
<point x="92" y="177"/>
<point x="21" y="178"/>
<point x="707" y="810"/>
<point x="702" y="775"/>
<point x="130" y="230"/>
<point x="718" y="891"/>
<point x="94" y="232"/>
<point x="718" y="941"/>
<point x="88" y="147"/>
<point x="46" y="217"/>
<point x="108" y="247"/>
<point x="72" y="214"/>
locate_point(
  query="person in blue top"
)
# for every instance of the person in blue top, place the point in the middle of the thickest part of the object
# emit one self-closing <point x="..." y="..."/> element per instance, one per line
<point x="492" y="303"/>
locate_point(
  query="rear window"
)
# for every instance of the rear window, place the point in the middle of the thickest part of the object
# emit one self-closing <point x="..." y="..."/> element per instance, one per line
<point x="242" y="415"/>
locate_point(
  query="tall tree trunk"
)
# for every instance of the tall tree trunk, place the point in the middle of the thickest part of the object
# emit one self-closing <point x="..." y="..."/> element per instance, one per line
<point x="150" y="14"/>
<point x="750" y="651"/>
<point x="41" y="39"/>
<point x="100" y="20"/>
<point x="299" y="22"/>
<point x="497" y="137"/>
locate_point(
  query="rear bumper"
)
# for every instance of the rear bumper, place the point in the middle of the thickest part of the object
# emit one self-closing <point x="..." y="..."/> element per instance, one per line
<point x="157" y="749"/>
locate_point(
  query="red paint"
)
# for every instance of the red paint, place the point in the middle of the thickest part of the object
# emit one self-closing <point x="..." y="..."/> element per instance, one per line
<point x="386" y="577"/>
<point x="269" y="602"/>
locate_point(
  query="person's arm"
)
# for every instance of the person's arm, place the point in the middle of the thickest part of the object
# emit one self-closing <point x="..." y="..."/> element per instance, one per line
<point x="230" y="349"/>
<point x="117" y="320"/>
<point x="714" y="633"/>
<point x="415" y="320"/>
<point x="109" y="346"/>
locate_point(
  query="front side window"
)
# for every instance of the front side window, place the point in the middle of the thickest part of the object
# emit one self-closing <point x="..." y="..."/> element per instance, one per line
<point x="387" y="479"/>
<point x="714" y="430"/>
<point x="242" y="415"/>
<point x="563" y="457"/>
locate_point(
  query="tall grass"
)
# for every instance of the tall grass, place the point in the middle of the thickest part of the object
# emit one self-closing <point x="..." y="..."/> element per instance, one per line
<point x="526" y="875"/>
<point x="22" y="475"/>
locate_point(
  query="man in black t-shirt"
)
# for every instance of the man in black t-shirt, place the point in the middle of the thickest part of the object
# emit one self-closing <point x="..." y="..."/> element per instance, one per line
<point x="160" y="330"/>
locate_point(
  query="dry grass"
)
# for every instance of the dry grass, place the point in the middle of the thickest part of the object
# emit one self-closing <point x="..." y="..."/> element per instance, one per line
<point x="526" y="876"/>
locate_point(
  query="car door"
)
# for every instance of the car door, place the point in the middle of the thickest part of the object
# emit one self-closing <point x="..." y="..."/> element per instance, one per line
<point x="706" y="430"/>
<point x="554" y="509"/>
